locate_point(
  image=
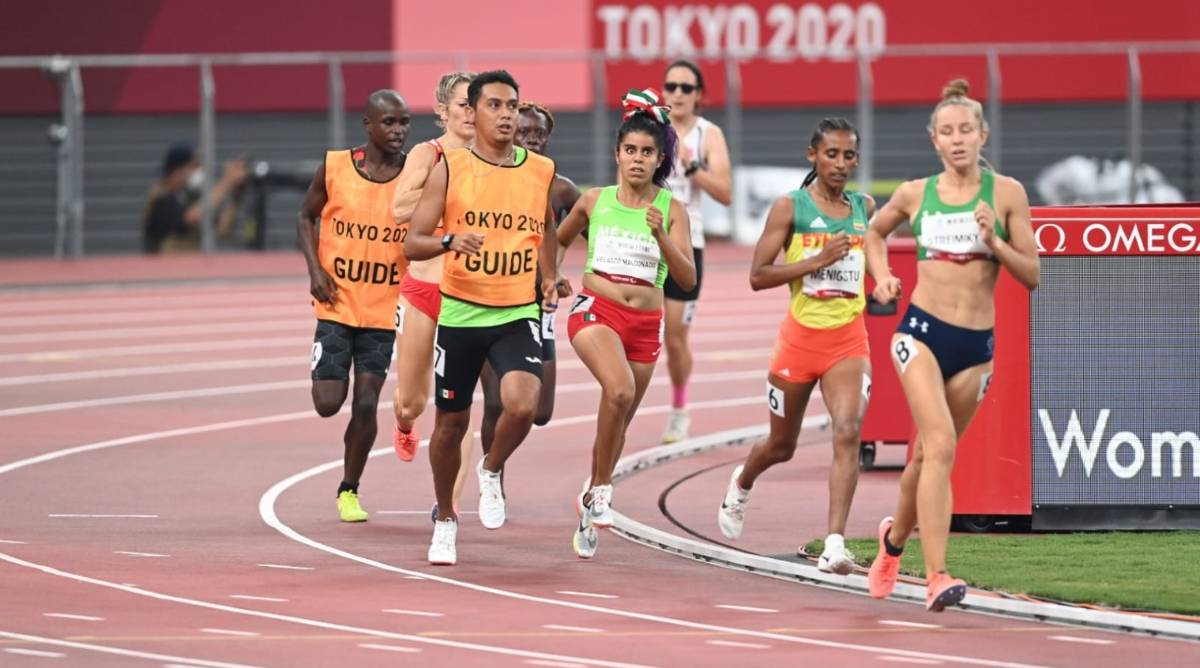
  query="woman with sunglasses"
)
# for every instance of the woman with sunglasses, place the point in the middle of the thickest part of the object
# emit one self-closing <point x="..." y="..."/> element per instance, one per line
<point x="701" y="166"/>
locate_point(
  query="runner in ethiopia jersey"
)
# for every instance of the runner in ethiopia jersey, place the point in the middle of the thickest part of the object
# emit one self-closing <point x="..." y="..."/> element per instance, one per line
<point x="969" y="221"/>
<point x="420" y="301"/>
<point x="494" y="199"/>
<point x="701" y="166"/>
<point x="355" y="263"/>
<point x="636" y="233"/>
<point x="819" y="229"/>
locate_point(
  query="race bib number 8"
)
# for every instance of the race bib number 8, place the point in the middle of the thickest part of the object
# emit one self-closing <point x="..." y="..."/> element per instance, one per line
<point x="904" y="349"/>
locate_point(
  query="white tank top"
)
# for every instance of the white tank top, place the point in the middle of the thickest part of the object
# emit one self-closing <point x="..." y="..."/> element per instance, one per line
<point x="682" y="187"/>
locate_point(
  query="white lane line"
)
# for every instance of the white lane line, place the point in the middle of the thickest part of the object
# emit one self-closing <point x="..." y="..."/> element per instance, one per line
<point x="154" y="370"/>
<point x="230" y="632"/>
<point x="745" y="608"/>
<point x="67" y="615"/>
<point x="734" y="643"/>
<point x="573" y="629"/>
<point x="13" y="542"/>
<point x="915" y="625"/>
<point x="106" y="352"/>
<point x="415" y="613"/>
<point x="390" y="648"/>
<point x="156" y="396"/>
<point x="1086" y="641"/>
<point x="105" y="649"/>
<point x="287" y="567"/>
<point x="102" y="516"/>
<point x="553" y="664"/>
<point x="227" y="390"/>
<point x="316" y="623"/>
<point x="419" y="512"/>
<point x="35" y="652"/>
<point x="910" y="659"/>
<point x="248" y="597"/>
<point x="150" y="332"/>
<point x="141" y="554"/>
<point x="586" y="594"/>
<point x="176" y="316"/>
<point x="266" y="509"/>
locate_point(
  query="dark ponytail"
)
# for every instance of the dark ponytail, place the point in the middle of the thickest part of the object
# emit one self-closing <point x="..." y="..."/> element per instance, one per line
<point x="827" y="125"/>
<point x="664" y="138"/>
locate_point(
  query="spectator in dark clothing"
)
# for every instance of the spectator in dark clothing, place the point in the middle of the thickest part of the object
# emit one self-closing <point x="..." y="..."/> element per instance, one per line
<point x="172" y="217"/>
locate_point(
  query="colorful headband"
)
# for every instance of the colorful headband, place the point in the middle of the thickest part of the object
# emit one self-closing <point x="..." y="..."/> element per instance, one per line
<point x="645" y="101"/>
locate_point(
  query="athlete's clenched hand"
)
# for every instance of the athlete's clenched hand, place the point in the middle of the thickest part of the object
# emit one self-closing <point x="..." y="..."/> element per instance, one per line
<point x="468" y="243"/>
<point x="321" y="286"/>
<point x="887" y="290"/>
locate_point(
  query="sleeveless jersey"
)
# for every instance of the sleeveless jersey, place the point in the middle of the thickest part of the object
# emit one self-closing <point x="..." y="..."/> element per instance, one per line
<point x="946" y="232"/>
<point x="682" y="188"/>
<point x="359" y="246"/>
<point x="507" y="205"/>
<point x="620" y="246"/>
<point x="832" y="296"/>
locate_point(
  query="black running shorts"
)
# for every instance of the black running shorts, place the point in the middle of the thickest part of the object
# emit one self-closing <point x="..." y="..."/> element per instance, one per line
<point x="459" y="354"/>
<point x="335" y="345"/>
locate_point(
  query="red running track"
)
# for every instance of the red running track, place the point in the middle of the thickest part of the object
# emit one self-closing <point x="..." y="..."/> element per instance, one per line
<point x="169" y="500"/>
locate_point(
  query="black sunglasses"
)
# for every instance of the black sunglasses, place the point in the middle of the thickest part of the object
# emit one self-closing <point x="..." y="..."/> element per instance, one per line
<point x="687" y="89"/>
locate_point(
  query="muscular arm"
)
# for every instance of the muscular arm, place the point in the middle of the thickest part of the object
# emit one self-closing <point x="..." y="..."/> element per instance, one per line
<point x="677" y="248"/>
<point x="563" y="195"/>
<point x="1019" y="254"/>
<point x="575" y="222"/>
<point x="417" y="168"/>
<point x="548" y="257"/>
<point x="420" y="244"/>
<point x="308" y="224"/>
<point x="884" y="222"/>
<point x="717" y="178"/>
<point x="776" y="235"/>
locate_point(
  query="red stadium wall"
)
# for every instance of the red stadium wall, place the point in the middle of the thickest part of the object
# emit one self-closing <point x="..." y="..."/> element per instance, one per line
<point x="191" y="26"/>
<point x="818" y="40"/>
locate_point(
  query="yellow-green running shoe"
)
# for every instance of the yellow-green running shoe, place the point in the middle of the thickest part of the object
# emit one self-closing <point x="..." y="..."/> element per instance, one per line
<point x="349" y="507"/>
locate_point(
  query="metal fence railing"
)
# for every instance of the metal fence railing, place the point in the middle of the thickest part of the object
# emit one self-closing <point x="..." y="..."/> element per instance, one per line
<point x="66" y="70"/>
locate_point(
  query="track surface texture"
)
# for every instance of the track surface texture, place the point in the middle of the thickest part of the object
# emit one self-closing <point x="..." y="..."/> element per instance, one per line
<point x="168" y="499"/>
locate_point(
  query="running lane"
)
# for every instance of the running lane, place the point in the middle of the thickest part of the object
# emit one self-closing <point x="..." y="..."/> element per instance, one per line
<point x="170" y="497"/>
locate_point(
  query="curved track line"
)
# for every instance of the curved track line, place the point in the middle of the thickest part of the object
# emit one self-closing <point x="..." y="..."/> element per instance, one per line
<point x="121" y="652"/>
<point x="266" y="509"/>
<point x="267" y="512"/>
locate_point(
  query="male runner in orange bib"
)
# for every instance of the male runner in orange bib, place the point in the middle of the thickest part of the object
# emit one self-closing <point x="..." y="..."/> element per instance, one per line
<point x="494" y="201"/>
<point x="355" y="259"/>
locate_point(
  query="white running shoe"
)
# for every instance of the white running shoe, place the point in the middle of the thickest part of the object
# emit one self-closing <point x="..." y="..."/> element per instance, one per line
<point x="442" y="548"/>
<point x="586" y="537"/>
<point x="601" y="510"/>
<point x="677" y="426"/>
<point x="836" y="558"/>
<point x="491" y="498"/>
<point x="732" y="515"/>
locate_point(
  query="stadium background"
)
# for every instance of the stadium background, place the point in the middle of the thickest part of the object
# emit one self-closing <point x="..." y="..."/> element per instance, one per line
<point x="792" y="73"/>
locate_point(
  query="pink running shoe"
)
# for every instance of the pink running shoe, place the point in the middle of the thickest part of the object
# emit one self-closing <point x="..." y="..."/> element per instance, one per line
<point x="405" y="444"/>
<point x="944" y="591"/>
<point x="881" y="579"/>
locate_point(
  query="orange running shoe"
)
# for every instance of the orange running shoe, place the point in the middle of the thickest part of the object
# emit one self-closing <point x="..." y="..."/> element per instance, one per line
<point x="944" y="591"/>
<point x="406" y="444"/>
<point x="881" y="579"/>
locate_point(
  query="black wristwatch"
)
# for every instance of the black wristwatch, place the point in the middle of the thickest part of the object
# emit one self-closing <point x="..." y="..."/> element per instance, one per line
<point x="693" y="168"/>
<point x="447" y="240"/>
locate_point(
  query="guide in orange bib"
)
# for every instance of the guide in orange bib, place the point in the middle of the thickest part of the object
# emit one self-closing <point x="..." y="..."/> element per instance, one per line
<point x="493" y="199"/>
<point x="355" y="258"/>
